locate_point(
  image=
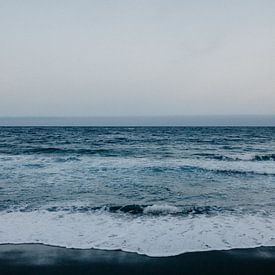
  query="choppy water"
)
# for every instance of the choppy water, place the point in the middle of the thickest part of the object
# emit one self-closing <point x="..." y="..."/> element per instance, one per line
<point x="154" y="190"/>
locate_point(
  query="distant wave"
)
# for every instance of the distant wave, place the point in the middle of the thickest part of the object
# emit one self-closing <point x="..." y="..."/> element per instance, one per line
<point x="267" y="157"/>
<point x="56" y="151"/>
<point x="257" y="165"/>
<point x="216" y="157"/>
<point x="213" y="168"/>
<point x="232" y="171"/>
<point x="264" y="157"/>
<point x="112" y="152"/>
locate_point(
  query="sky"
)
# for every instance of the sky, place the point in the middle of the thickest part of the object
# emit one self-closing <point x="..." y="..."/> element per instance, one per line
<point x="137" y="58"/>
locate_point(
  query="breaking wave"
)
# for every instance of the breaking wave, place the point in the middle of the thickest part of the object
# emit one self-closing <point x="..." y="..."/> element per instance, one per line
<point x="135" y="209"/>
<point x="161" y="235"/>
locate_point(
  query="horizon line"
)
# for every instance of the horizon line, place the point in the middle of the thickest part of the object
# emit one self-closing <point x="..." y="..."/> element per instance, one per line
<point x="131" y="121"/>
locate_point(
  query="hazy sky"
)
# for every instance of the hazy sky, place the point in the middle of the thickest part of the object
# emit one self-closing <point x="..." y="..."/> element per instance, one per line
<point x="121" y="58"/>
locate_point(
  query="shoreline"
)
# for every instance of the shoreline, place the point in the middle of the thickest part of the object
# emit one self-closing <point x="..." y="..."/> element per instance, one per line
<point x="47" y="259"/>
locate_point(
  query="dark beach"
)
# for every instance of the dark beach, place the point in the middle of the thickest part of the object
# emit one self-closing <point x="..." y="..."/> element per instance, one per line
<point x="44" y="259"/>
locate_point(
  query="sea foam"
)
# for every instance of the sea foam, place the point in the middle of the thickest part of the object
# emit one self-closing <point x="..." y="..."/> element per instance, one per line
<point x="163" y="235"/>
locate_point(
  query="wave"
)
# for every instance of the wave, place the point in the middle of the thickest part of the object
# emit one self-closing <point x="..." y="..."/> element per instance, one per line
<point x="229" y="171"/>
<point x="112" y="152"/>
<point x="226" y="169"/>
<point x="57" y="151"/>
<point x="267" y="157"/>
<point x="136" y="209"/>
<point x="216" y="157"/>
<point x="150" y="235"/>
<point x="270" y="157"/>
<point x="213" y="166"/>
<point x="113" y="163"/>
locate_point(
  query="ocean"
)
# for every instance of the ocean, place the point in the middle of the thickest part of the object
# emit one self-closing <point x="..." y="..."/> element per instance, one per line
<point x="158" y="191"/>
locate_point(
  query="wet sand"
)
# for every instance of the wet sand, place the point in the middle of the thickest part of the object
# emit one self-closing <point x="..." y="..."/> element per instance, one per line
<point x="43" y="259"/>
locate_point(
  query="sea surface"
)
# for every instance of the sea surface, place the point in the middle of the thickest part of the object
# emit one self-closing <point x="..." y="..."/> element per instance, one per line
<point x="158" y="191"/>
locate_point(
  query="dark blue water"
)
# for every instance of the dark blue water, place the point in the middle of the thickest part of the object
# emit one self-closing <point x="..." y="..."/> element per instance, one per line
<point x="128" y="173"/>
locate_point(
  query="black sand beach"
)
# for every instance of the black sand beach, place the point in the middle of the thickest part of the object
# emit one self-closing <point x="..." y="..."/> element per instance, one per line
<point x="43" y="259"/>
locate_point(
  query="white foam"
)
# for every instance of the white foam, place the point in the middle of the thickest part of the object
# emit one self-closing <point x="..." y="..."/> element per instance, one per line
<point x="151" y="235"/>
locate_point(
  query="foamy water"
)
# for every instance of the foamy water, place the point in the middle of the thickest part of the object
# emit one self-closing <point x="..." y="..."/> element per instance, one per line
<point x="154" y="191"/>
<point x="164" y="235"/>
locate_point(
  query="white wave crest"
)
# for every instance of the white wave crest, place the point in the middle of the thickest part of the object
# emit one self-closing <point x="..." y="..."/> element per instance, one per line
<point x="161" y="209"/>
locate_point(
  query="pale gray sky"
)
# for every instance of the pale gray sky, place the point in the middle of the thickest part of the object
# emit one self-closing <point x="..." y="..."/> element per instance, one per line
<point x="136" y="57"/>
